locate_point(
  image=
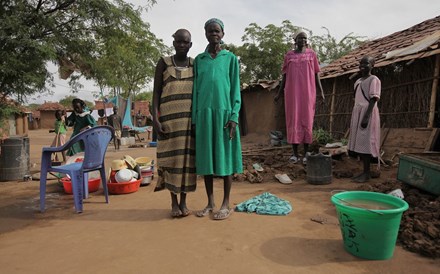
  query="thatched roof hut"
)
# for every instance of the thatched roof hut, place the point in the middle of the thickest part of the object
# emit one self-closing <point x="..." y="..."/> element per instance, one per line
<point x="15" y="123"/>
<point x="258" y="114"/>
<point x="47" y="113"/>
<point x="408" y="64"/>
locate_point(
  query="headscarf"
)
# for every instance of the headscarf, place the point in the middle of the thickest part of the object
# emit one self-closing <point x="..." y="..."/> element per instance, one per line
<point x="298" y="33"/>
<point x="215" y="20"/>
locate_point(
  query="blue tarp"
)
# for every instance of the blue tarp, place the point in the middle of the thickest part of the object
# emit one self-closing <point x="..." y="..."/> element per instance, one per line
<point x="126" y="118"/>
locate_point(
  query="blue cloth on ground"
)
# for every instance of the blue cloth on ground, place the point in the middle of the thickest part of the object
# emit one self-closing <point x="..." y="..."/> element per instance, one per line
<point x="265" y="204"/>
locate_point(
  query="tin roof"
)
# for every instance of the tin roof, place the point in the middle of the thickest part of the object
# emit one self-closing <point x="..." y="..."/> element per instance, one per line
<point x="264" y="84"/>
<point x="419" y="41"/>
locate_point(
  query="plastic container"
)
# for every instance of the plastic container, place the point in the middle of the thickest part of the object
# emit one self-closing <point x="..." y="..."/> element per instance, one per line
<point x="124" y="188"/>
<point x="143" y="161"/>
<point x="123" y="175"/>
<point x="113" y="175"/>
<point x="14" y="158"/>
<point x="146" y="175"/>
<point x="124" y="141"/>
<point x="93" y="185"/>
<point x="131" y="141"/>
<point x="420" y="170"/>
<point x="367" y="232"/>
<point x="319" y="169"/>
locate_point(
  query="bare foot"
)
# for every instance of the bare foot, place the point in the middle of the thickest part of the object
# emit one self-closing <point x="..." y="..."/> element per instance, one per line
<point x="176" y="212"/>
<point x="185" y="211"/>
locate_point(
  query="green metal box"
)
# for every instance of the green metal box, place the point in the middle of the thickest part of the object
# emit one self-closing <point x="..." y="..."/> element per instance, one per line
<point x="421" y="170"/>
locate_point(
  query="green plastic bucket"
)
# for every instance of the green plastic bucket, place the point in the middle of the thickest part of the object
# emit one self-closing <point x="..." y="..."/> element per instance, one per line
<point x="368" y="232"/>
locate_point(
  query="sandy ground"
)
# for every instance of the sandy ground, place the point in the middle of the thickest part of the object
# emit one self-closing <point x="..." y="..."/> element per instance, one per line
<point x="134" y="233"/>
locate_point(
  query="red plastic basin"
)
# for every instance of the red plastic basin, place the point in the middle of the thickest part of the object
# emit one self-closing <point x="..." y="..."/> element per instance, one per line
<point x="124" y="188"/>
<point x="93" y="185"/>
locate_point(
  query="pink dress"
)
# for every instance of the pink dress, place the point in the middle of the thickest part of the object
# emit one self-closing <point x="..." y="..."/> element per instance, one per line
<point x="300" y="95"/>
<point x="365" y="140"/>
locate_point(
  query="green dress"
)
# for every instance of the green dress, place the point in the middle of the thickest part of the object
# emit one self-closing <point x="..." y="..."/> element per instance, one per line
<point x="216" y="100"/>
<point x="79" y="121"/>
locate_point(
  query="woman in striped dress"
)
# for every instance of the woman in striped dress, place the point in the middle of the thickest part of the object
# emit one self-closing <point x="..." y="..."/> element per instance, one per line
<point x="172" y="96"/>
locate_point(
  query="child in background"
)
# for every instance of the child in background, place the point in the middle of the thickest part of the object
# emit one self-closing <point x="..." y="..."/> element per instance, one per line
<point x="115" y="122"/>
<point x="365" y="121"/>
<point x="60" y="131"/>
<point x="80" y="120"/>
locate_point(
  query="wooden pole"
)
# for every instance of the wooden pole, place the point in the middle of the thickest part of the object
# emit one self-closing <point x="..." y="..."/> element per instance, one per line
<point x="432" y="104"/>
<point x="332" y="104"/>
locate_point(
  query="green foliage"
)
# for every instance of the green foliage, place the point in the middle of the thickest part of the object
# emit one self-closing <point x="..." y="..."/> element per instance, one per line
<point x="321" y="136"/>
<point x="329" y="49"/>
<point x="262" y="53"/>
<point x="144" y="96"/>
<point x="344" y="141"/>
<point x="33" y="106"/>
<point x="6" y="110"/>
<point x="78" y="34"/>
<point x="128" y="56"/>
<point x="67" y="102"/>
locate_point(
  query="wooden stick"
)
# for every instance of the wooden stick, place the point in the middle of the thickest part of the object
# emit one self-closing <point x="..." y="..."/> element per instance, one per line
<point x="332" y="104"/>
<point x="266" y="149"/>
<point x="434" y="92"/>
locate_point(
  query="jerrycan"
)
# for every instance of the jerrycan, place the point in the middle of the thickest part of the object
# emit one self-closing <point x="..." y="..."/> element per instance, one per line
<point x="319" y="169"/>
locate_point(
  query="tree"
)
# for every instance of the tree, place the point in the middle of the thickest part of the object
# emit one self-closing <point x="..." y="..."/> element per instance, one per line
<point x="329" y="49"/>
<point x="262" y="53"/>
<point x="67" y="102"/>
<point x="127" y="58"/>
<point x="144" y="96"/>
<point x="72" y="33"/>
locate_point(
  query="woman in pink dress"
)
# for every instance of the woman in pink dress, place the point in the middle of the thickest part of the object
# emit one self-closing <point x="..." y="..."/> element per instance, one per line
<point x="365" y="121"/>
<point x="300" y="79"/>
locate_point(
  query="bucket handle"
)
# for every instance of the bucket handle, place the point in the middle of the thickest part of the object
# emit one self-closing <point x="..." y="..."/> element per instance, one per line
<point x="367" y="209"/>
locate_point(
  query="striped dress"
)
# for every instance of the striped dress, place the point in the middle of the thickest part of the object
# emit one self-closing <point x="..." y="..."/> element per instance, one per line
<point x="175" y="151"/>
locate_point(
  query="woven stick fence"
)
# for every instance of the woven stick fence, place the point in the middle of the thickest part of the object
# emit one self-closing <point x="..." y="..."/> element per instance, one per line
<point x="404" y="102"/>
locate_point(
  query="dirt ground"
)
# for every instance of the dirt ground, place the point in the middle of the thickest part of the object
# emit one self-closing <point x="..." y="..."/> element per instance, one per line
<point x="135" y="234"/>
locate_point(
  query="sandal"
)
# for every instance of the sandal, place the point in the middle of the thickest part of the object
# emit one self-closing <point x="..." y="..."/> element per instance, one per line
<point x="293" y="159"/>
<point x="223" y="214"/>
<point x="204" y="212"/>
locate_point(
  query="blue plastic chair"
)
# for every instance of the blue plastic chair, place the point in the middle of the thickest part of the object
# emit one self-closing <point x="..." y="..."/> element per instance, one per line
<point x="95" y="142"/>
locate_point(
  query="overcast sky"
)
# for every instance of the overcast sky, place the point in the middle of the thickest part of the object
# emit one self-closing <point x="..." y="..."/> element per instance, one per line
<point x="373" y="19"/>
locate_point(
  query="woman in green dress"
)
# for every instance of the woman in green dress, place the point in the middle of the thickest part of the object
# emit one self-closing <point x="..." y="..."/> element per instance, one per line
<point x="216" y="104"/>
<point x="80" y="119"/>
